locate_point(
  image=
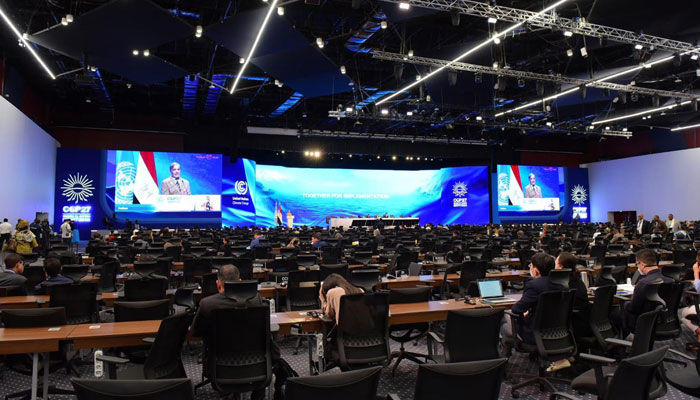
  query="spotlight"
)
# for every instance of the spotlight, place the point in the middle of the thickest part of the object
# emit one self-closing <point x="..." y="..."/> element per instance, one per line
<point x="570" y="53"/>
<point x="69" y="18"/>
<point x="319" y="42"/>
<point x="479" y="118"/>
<point x="521" y="82"/>
<point x="496" y="39"/>
<point x="377" y="157"/>
<point x="455" y="17"/>
<point x="280" y="11"/>
<point x="317" y="154"/>
<point x="282" y="151"/>
<point x="409" y="113"/>
<point x="135" y="52"/>
<point x="638" y="47"/>
<point x="385" y="111"/>
<point x="495" y="65"/>
<point x="384" y="25"/>
<point x="417" y="77"/>
<point x="348" y="109"/>
<point x="492" y="20"/>
<point x="624" y="129"/>
<point x="342" y="69"/>
<point x="408" y="158"/>
<point x="350" y="155"/>
<point x="410" y="53"/>
<point x="306" y="153"/>
<point x="278" y="83"/>
<point x="393" y="158"/>
<point x="88" y="101"/>
<point x="64" y="21"/>
<point x="694" y="57"/>
<point x="418" y="158"/>
<point x="548" y="123"/>
<point x="93" y="68"/>
<point x="584" y="52"/>
<point x="404" y="5"/>
<point x="146" y="53"/>
<point x="198" y="31"/>
<point x="428" y="98"/>
<point x="241" y="60"/>
<point x="568" y="33"/>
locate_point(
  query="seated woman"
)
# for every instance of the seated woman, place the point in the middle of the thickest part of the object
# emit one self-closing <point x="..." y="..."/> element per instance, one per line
<point x="332" y="289"/>
<point x="689" y="312"/>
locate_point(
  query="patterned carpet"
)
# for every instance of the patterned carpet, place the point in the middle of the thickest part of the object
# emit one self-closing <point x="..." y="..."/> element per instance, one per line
<point x="402" y="384"/>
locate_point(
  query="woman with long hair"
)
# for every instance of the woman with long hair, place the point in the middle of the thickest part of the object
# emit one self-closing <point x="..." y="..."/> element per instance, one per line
<point x="332" y="289"/>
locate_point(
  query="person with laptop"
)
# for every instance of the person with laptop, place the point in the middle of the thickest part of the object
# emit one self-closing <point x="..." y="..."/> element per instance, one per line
<point x="540" y="266"/>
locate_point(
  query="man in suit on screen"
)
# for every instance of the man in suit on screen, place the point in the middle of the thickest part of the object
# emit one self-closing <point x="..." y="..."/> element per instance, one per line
<point x="532" y="191"/>
<point x="175" y="184"/>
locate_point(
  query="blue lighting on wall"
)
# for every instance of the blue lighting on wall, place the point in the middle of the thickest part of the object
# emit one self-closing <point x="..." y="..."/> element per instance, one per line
<point x="180" y="13"/>
<point x="214" y="93"/>
<point x="369" y="28"/>
<point x="292" y="101"/>
<point x="371" y="99"/>
<point x="189" y="98"/>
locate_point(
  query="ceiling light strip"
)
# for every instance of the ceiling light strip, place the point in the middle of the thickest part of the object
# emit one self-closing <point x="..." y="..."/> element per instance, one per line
<point x="681" y="128"/>
<point x="26" y="44"/>
<point x="255" y="44"/>
<point x="640" y="113"/>
<point x="470" y="51"/>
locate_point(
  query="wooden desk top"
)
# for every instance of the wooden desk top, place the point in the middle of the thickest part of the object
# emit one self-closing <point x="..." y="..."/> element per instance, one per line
<point x="112" y="334"/>
<point x="32" y="340"/>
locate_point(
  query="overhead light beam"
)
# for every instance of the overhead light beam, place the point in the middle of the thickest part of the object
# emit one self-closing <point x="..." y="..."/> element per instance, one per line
<point x="26" y="44"/>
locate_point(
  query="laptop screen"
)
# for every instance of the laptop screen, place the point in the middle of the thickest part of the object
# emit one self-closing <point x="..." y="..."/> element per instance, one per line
<point x="490" y="288"/>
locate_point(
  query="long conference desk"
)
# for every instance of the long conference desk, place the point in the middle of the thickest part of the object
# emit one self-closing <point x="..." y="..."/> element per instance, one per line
<point x="346" y="223"/>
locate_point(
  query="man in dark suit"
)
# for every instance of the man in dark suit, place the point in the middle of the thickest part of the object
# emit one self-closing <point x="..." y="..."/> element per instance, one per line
<point x="12" y="276"/>
<point x="648" y="268"/>
<point x="540" y="265"/>
<point x="203" y="320"/>
<point x="643" y="226"/>
<point x="316" y="242"/>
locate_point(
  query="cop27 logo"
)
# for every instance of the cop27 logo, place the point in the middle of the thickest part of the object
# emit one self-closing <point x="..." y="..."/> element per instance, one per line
<point x="241" y="187"/>
<point x="579" y="195"/>
<point x="77" y="188"/>
<point x="459" y="189"/>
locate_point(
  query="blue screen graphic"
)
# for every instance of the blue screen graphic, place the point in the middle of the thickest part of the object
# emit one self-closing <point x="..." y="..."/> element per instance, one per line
<point x="238" y="192"/>
<point x="451" y="195"/>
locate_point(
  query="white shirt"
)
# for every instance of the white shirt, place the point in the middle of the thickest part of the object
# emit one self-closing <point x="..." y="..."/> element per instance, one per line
<point x="639" y="226"/>
<point x="672" y="225"/>
<point x="66" y="232"/>
<point x="5" y="228"/>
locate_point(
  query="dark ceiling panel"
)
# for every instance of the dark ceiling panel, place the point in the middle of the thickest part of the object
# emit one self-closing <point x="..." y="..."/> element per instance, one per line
<point x="143" y="70"/>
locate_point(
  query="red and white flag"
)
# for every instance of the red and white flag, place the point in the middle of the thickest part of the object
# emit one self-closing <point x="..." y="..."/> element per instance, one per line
<point x="146" y="181"/>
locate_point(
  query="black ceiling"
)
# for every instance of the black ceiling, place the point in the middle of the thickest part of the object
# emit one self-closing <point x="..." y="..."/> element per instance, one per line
<point x="104" y="34"/>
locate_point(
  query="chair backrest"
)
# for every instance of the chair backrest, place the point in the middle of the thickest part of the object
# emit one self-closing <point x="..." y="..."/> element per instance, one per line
<point x="363" y="257"/>
<point x="79" y="300"/>
<point x="218" y="262"/>
<point x="245" y="267"/>
<point x="141" y="310"/>
<point x="33" y="317"/>
<point x="363" y="329"/>
<point x="367" y="279"/>
<point x="306" y="260"/>
<point x="668" y="325"/>
<point x="184" y="297"/>
<point x="75" y="271"/>
<point x="351" y="385"/>
<point x="416" y="294"/>
<point x="301" y="295"/>
<point x="147" y="389"/>
<point x="331" y="254"/>
<point x="241" y="291"/>
<point x="261" y="252"/>
<point x="108" y="276"/>
<point x="174" y="252"/>
<point x="145" y="289"/>
<point x="164" y="361"/>
<point x="327" y="269"/>
<point x="209" y="284"/>
<point x="238" y="360"/>
<point x="599" y="317"/>
<point x="634" y="376"/>
<point x="674" y="271"/>
<point x="145" y="268"/>
<point x="560" y="277"/>
<point x="552" y="329"/>
<point x="480" y="379"/>
<point x="605" y="276"/>
<point x="644" y="332"/>
<point x="471" y="272"/>
<point x="194" y="268"/>
<point x="287" y="252"/>
<point x="12" y="291"/>
<point x="472" y="335"/>
<point x="34" y="275"/>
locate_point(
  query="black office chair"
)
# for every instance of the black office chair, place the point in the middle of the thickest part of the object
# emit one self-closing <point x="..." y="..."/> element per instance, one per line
<point x="238" y="251"/>
<point x="553" y="333"/>
<point x="525" y="255"/>
<point x="302" y="294"/>
<point x="560" y="277"/>
<point x="75" y="271"/>
<point x="306" y="260"/>
<point x="218" y="262"/>
<point x="262" y="253"/>
<point x="209" y="284"/>
<point x="35" y="318"/>
<point x="163" y="360"/>
<point x="238" y="360"/>
<point x="241" y="291"/>
<point x="287" y="252"/>
<point x="605" y="276"/>
<point x="668" y="326"/>
<point x="408" y="332"/>
<point x="367" y="279"/>
<point x="642" y="343"/>
<point x="351" y="385"/>
<point x="144" y="289"/>
<point x="163" y="266"/>
<point x="146" y="268"/>
<point x="79" y="299"/>
<point x="633" y="378"/>
<point x="174" y="252"/>
<point x="141" y="310"/>
<point x="686" y="379"/>
<point x="327" y="269"/>
<point x="184" y="297"/>
<point x="362" y="332"/>
<point x="470" y="273"/>
<point x="6" y="291"/>
<point x="601" y="327"/>
<point x="34" y="275"/>
<point x="108" y="276"/>
<point x="462" y="342"/>
<point x="478" y="380"/>
<point x="194" y="268"/>
<point x="146" y="389"/>
<point x="245" y="267"/>
<point x="674" y="271"/>
<point x="331" y="255"/>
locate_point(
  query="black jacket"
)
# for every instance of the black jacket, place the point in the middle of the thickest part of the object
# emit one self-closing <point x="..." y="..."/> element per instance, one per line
<point x="636" y="306"/>
<point x="528" y="302"/>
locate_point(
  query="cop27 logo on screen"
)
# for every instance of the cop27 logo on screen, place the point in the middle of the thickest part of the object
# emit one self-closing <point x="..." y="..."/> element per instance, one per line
<point x="459" y="189"/>
<point x="241" y="187"/>
<point x="77" y="187"/>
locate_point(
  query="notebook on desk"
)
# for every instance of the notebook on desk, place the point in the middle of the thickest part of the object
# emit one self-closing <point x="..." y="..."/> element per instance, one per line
<point x="491" y="291"/>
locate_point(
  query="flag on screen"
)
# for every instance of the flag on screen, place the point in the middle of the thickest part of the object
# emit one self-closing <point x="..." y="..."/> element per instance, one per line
<point x="146" y="181"/>
<point x="515" y="187"/>
<point x="278" y="213"/>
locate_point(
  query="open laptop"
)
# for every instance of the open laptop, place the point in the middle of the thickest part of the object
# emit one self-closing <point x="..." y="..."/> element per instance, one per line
<point x="491" y="291"/>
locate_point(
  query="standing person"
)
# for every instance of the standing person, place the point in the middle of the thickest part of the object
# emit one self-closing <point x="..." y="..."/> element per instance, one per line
<point x="26" y="241"/>
<point x="5" y="232"/>
<point x="672" y="224"/>
<point x="643" y="226"/>
<point x="75" y="235"/>
<point x="532" y="191"/>
<point x="66" y="231"/>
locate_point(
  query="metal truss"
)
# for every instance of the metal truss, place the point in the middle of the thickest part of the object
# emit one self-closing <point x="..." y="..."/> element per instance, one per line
<point x="460" y="66"/>
<point x="552" y="21"/>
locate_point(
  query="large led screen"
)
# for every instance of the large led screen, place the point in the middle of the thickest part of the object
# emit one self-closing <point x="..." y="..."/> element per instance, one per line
<point x="150" y="182"/>
<point x="446" y="196"/>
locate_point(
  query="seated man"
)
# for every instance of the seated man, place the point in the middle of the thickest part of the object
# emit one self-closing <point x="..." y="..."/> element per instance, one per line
<point x="52" y="267"/>
<point x="203" y="319"/>
<point x="540" y="265"/>
<point x="647" y="266"/>
<point x="12" y="276"/>
<point x="316" y="242"/>
<point x="257" y="237"/>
